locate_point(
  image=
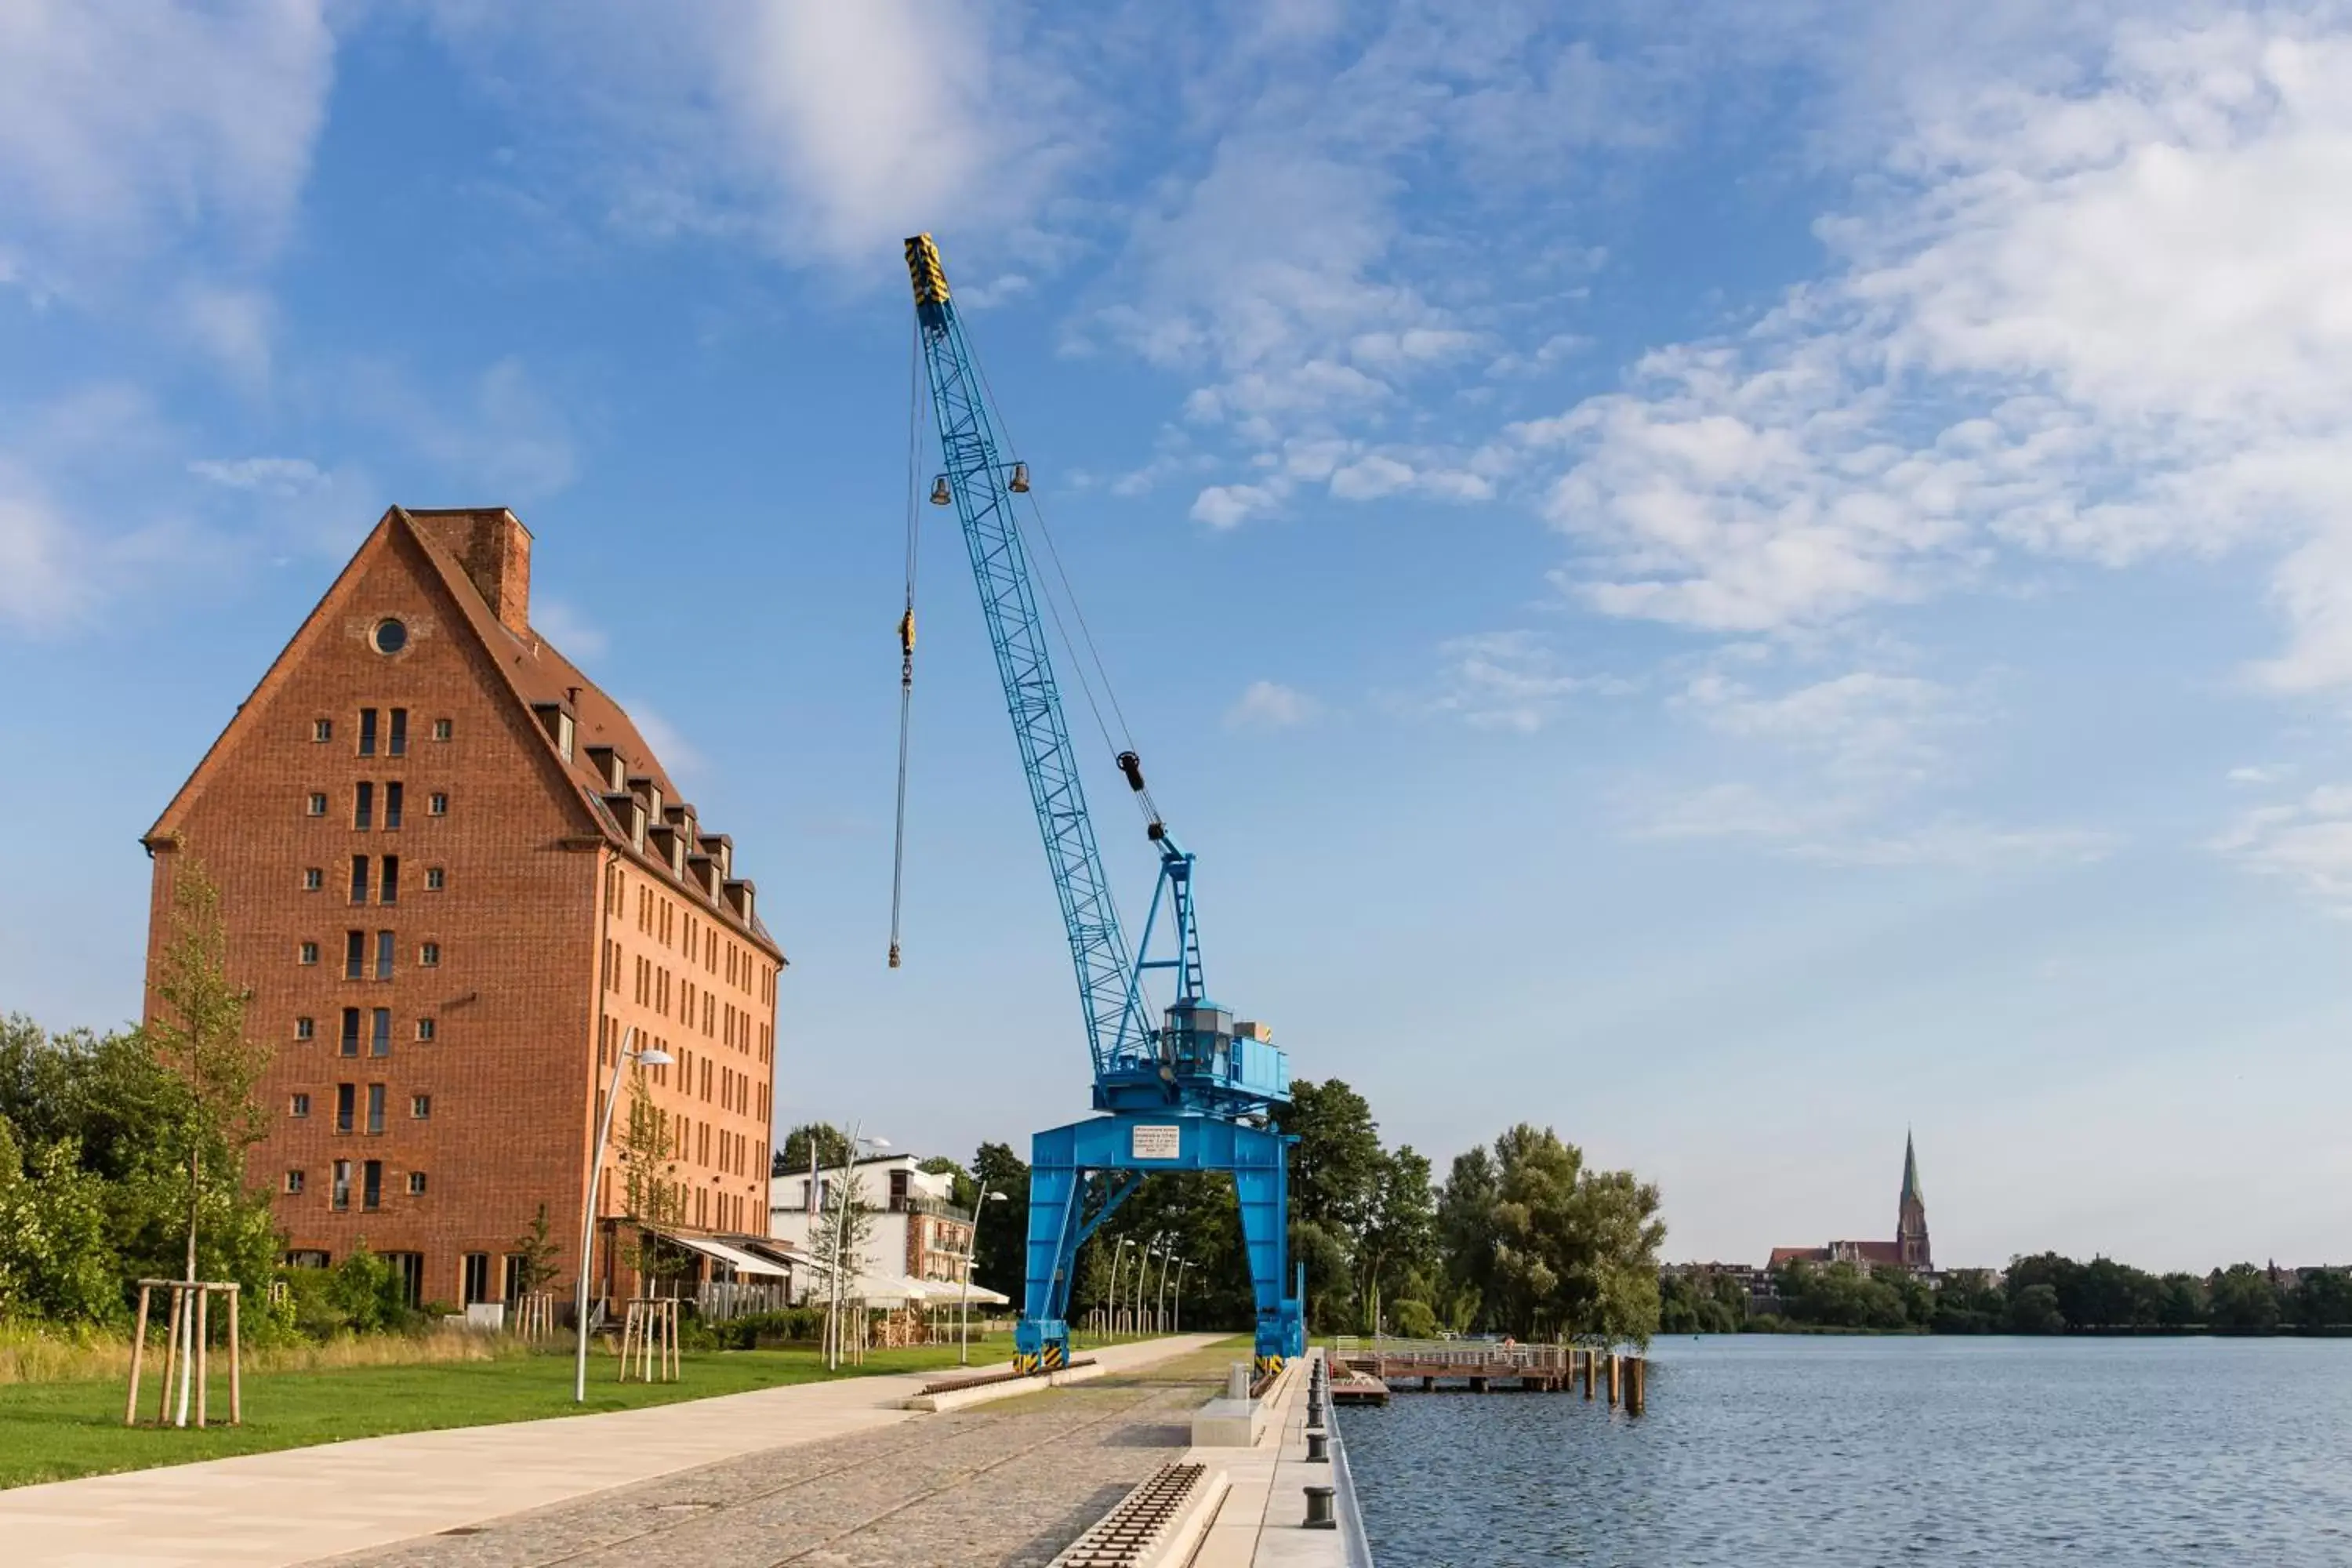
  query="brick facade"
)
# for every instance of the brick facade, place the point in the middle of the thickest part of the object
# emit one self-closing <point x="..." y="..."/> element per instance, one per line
<point x="552" y="891"/>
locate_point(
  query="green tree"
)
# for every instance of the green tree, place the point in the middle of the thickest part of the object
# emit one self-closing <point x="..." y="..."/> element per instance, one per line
<point x="1000" y="1248"/>
<point x="198" y="1032"/>
<point x="1336" y="1165"/>
<point x="1399" y="1244"/>
<point x="2243" y="1300"/>
<point x="1465" y="1237"/>
<point x="2181" y="1303"/>
<point x="2323" y="1300"/>
<point x="2034" y="1310"/>
<point x="652" y="1198"/>
<point x="1576" y="1251"/>
<point x="535" y="1252"/>
<point x="791" y="1159"/>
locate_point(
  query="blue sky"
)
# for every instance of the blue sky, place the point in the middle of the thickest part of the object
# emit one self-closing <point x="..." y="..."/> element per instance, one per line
<point x="1729" y="577"/>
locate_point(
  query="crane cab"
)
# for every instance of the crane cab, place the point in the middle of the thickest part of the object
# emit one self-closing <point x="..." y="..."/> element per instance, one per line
<point x="1201" y="1059"/>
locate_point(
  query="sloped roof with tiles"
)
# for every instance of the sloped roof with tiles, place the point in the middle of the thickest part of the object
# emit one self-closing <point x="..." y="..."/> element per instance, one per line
<point x="480" y="557"/>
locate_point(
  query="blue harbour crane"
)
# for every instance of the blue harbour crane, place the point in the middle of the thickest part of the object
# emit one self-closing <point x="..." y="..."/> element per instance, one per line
<point x="1189" y="1090"/>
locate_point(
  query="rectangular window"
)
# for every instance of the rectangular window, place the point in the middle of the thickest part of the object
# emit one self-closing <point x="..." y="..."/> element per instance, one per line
<point x="317" y="806"/>
<point x="425" y="1028"/>
<point x="388" y="887"/>
<point x="477" y="1276"/>
<point x="323" y="729"/>
<point x="308" y="952"/>
<point x="304" y="1028"/>
<point x="347" y="1100"/>
<point x="350" y="1031"/>
<point x="375" y="1108"/>
<point x="420" y="1106"/>
<point x="384" y="955"/>
<point x="434" y="878"/>
<point x="358" y="879"/>
<point x="391" y="807"/>
<point x="429" y="955"/>
<point x="371" y="1185"/>
<point x="356" y="955"/>
<point x="297" y="1106"/>
<point x="313" y="879"/>
<point x="415" y="1184"/>
<point x="294" y="1182"/>
<point x="442" y="729"/>
<point x="367" y="732"/>
<point x="343" y="1199"/>
<point x="437" y="804"/>
<point x="396" y="743"/>
<point x="380" y="1032"/>
<point x="363" y="807"/>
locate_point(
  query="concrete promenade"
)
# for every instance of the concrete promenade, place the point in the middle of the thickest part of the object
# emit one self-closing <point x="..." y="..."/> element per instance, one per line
<point x="298" y="1505"/>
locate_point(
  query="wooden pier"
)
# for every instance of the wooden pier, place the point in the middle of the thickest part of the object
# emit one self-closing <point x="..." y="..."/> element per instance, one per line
<point x="1364" y="1370"/>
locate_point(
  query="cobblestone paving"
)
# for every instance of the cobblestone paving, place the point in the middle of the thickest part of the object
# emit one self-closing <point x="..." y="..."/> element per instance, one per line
<point x="1009" y="1484"/>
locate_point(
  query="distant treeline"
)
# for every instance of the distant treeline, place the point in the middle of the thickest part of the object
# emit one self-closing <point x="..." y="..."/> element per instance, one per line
<point x="2044" y="1294"/>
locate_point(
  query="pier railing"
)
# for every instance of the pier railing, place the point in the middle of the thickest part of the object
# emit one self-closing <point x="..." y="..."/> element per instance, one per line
<point x="1483" y="1358"/>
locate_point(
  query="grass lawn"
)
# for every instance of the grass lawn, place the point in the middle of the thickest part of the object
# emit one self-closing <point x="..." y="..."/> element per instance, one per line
<point x="52" y="1431"/>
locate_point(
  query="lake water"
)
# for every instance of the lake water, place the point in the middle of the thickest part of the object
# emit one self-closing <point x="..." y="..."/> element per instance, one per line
<point x="1763" y="1450"/>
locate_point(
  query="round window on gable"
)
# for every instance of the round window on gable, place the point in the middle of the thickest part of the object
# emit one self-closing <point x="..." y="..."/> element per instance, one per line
<point x="390" y="635"/>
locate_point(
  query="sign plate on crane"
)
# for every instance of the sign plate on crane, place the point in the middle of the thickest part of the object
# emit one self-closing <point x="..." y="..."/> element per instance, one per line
<point x="1156" y="1141"/>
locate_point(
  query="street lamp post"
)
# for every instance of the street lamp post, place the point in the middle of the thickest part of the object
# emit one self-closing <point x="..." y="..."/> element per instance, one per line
<point x="1182" y="1265"/>
<point x="1160" y="1297"/>
<point x="970" y="1256"/>
<point x="656" y="1058"/>
<point x="1143" y="1269"/>
<point x="1117" y="1256"/>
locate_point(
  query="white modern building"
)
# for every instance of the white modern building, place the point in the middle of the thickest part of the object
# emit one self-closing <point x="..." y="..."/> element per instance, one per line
<point x="918" y="1243"/>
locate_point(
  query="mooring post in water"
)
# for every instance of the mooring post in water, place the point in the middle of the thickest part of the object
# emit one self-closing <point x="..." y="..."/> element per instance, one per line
<point x="1588" y="1356"/>
<point x="1637" y="1377"/>
<point x="1616" y="1373"/>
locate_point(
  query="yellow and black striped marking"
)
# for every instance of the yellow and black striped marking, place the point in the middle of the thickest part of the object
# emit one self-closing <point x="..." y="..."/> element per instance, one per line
<point x="1267" y="1365"/>
<point x="1024" y="1362"/>
<point x="923" y="267"/>
<point x="1056" y="1357"/>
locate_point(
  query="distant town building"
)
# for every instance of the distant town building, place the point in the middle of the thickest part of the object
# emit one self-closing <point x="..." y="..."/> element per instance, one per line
<point x="1909" y="1249"/>
<point x="454" y="875"/>
<point x="917" y="1240"/>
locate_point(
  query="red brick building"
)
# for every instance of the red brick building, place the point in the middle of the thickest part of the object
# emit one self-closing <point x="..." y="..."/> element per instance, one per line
<point x="453" y="874"/>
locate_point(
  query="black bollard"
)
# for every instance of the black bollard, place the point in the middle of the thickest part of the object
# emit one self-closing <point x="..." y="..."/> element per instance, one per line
<point x="1318" y="1508"/>
<point x="1319" y="1446"/>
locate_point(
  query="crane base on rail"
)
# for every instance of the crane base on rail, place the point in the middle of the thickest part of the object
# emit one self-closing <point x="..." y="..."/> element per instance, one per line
<point x="1079" y="1175"/>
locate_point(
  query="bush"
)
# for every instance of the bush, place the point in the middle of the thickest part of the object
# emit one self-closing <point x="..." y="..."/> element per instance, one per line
<point x="756" y="1329"/>
<point x="1414" y="1320"/>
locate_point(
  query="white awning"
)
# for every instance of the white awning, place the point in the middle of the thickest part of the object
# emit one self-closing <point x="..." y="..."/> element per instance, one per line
<point x="930" y="1292"/>
<point x="734" y="1257"/>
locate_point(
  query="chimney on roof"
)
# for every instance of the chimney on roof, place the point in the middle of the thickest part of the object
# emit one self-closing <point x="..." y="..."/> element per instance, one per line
<point x="494" y="548"/>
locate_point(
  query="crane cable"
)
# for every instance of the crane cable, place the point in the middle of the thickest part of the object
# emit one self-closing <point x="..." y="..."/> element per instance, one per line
<point x="1123" y="748"/>
<point x="907" y="635"/>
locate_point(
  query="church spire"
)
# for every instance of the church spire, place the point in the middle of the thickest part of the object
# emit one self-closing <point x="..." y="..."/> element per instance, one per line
<point x="1911" y="1213"/>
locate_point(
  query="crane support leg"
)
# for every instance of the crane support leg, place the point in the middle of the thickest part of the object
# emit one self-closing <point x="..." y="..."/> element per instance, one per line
<point x="1064" y="1164"/>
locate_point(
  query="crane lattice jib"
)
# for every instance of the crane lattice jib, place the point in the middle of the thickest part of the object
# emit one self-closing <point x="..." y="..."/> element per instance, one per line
<point x="1008" y="600"/>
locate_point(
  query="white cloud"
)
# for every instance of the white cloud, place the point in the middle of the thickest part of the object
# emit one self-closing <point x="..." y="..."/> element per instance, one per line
<point x="682" y="762"/>
<point x="2099" y="320"/>
<point x="124" y="123"/>
<point x="43" y="586"/>
<point x="1864" y="725"/>
<point x="1270" y="705"/>
<point x="231" y="326"/>
<point x="1509" y="680"/>
<point x="561" y="623"/>
<point x="1230" y="505"/>
<point x="2309" y="842"/>
<point x="280" y="475"/>
<point x="2261" y="773"/>
<point x="825" y="133"/>
<point x="501" y="439"/>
